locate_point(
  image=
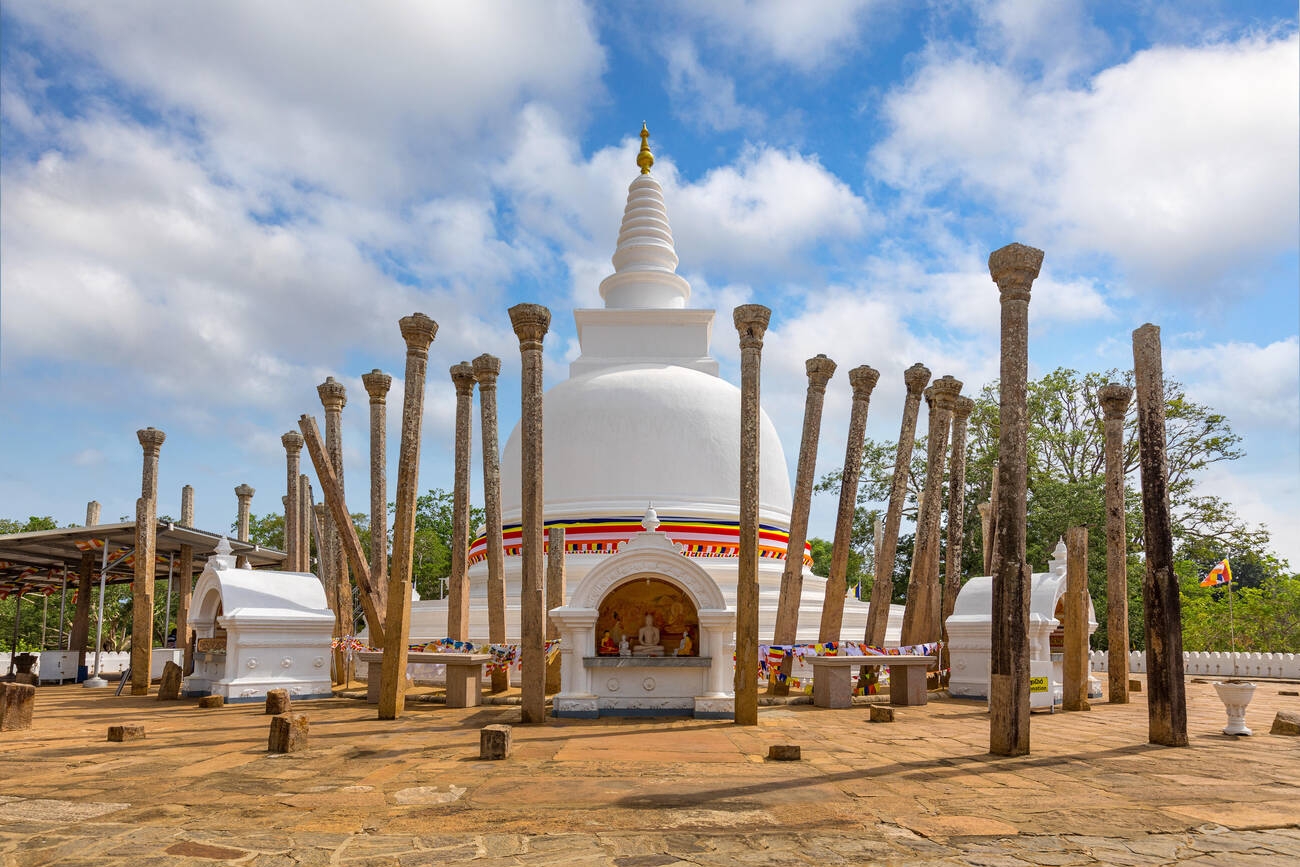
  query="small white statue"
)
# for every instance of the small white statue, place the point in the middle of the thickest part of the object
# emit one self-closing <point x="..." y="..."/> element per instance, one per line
<point x="624" y="649"/>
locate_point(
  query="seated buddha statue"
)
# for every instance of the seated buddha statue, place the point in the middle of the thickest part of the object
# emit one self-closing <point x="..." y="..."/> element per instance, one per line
<point x="647" y="639"/>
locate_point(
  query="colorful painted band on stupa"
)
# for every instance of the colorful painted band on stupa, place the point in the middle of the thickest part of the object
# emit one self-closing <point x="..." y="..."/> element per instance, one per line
<point x="603" y="535"/>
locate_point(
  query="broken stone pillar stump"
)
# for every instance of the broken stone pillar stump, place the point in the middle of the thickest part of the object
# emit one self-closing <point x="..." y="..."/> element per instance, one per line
<point x="1287" y="722"/>
<point x="17" y="700"/>
<point x="122" y="734"/>
<point x="494" y="742"/>
<point x="1134" y="685"/>
<point x="212" y="701"/>
<point x="1074" y="690"/>
<point x="277" y="701"/>
<point x="288" y="733"/>
<point x="169" y="688"/>
<point x="784" y="753"/>
<point x="881" y="713"/>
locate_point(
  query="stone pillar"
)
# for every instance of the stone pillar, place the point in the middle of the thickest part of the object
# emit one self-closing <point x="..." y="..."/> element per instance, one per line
<point x="986" y="540"/>
<point x="146" y="540"/>
<point x="820" y="369"/>
<point x="531" y="322"/>
<point x="882" y="589"/>
<point x="990" y="550"/>
<point x="418" y="331"/>
<point x="1074" y="667"/>
<point x="324" y="566"/>
<point x="921" y="618"/>
<point x="462" y="376"/>
<point x="293" y="539"/>
<point x="751" y="323"/>
<point x="333" y="397"/>
<point x="1013" y="269"/>
<point x="80" y="635"/>
<point x="1114" y="399"/>
<point x="1166" y="699"/>
<point x="306" y="517"/>
<point x="956" y="529"/>
<point x="862" y="379"/>
<point x="185" y="584"/>
<point x="486" y="369"/>
<point x="555" y="581"/>
<point x="244" y="494"/>
<point x="377" y="384"/>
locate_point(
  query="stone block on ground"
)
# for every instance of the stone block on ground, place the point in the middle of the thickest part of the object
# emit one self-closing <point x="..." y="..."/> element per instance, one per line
<point x="1134" y="685"/>
<point x="169" y="688"/>
<point x="494" y="742"/>
<point x="17" y="700"/>
<point x="122" y="734"/>
<point x="288" y="733"/>
<point x="1287" y="722"/>
<point x="881" y="713"/>
<point x="277" y="701"/>
<point x="784" y="752"/>
<point x="1288" y="692"/>
<point x="212" y="701"/>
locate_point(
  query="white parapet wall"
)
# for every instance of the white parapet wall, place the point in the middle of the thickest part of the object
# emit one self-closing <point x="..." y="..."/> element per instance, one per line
<point x="1218" y="664"/>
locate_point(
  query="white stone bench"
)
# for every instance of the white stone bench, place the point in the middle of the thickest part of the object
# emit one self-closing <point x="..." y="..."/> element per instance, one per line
<point x="833" y="678"/>
<point x="464" y="674"/>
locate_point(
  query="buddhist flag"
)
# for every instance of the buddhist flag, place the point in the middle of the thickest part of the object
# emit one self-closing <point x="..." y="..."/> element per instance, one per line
<point x="1221" y="574"/>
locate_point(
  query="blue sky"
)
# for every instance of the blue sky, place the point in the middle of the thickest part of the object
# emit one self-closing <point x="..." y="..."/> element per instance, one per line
<point x="208" y="209"/>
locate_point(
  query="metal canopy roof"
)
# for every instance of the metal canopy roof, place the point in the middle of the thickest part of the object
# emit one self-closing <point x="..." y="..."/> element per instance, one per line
<point x="35" y="562"/>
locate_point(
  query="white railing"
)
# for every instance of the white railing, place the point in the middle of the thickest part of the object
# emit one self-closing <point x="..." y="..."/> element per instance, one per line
<point x="1217" y="664"/>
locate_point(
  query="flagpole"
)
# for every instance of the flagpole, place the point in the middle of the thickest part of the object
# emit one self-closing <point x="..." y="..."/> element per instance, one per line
<point x="1232" y="630"/>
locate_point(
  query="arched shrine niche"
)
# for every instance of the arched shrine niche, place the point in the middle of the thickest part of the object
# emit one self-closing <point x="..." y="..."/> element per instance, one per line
<point x="647" y="602"/>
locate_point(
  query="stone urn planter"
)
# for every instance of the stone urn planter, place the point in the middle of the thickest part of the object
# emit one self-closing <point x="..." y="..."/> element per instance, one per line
<point x="1235" y="695"/>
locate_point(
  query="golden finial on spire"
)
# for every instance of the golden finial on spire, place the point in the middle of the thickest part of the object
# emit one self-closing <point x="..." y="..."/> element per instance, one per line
<point x="645" y="159"/>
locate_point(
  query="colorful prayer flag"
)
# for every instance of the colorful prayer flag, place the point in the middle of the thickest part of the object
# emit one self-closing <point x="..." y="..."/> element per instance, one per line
<point x="1221" y="574"/>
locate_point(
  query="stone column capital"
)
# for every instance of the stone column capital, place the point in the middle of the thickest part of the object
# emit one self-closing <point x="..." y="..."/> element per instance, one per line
<point x="377" y="384"/>
<point x="293" y="442"/>
<point x="916" y="377"/>
<point x="418" y="331"/>
<point x="531" y="322"/>
<point x="462" y="376"/>
<point x="820" y="370"/>
<point x="751" y="322"/>
<point x="1014" y="268"/>
<point x="863" y="380"/>
<point x="486" y="370"/>
<point x="244" y="492"/>
<point x="962" y="408"/>
<point x="944" y="391"/>
<point x="333" y="396"/>
<point x="1114" y="399"/>
<point x="151" y="440"/>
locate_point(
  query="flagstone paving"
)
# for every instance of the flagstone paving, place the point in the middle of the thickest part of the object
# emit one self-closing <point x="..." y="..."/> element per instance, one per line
<point x="201" y="788"/>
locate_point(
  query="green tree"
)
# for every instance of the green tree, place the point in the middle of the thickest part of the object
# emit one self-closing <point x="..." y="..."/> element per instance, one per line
<point x="434" y="520"/>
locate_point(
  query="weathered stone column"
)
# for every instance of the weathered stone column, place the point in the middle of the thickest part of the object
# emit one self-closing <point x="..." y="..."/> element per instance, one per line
<point x="751" y="323"/>
<point x="1114" y="399"/>
<point x="862" y="379"/>
<point x="306" y="518"/>
<point x="986" y="540"/>
<point x="956" y="530"/>
<point x="1166" y="699"/>
<point x="244" y="494"/>
<point x="146" y="541"/>
<point x="1074" y="667"/>
<point x="990" y="550"/>
<point x="324" y="566"/>
<point x="820" y="369"/>
<point x="486" y="370"/>
<point x="531" y="322"/>
<point x="921" y="616"/>
<point x="462" y="376"/>
<point x="333" y="397"/>
<point x="418" y="331"/>
<point x="293" y="539"/>
<point x="882" y="589"/>
<point x="377" y="384"/>
<point x="555" y="580"/>
<point x="185" y="584"/>
<point x="80" y="635"/>
<point x="1013" y="269"/>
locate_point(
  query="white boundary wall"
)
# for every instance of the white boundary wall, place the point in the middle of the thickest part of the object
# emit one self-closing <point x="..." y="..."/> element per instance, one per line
<point x="1217" y="664"/>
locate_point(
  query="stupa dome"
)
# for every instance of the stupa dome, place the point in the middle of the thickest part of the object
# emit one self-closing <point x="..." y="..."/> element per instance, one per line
<point x="623" y="437"/>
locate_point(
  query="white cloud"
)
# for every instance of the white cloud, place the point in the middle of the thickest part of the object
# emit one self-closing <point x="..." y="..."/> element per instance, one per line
<point x="1254" y="386"/>
<point x="1054" y="37"/>
<point x="703" y="96"/>
<point x="803" y="35"/>
<point x="1182" y="163"/>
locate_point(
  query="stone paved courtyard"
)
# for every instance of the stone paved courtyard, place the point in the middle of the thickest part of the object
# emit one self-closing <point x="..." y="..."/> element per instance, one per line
<point x="201" y="789"/>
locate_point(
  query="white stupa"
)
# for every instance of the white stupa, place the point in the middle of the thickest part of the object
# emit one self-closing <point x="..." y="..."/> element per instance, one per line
<point x="644" y="420"/>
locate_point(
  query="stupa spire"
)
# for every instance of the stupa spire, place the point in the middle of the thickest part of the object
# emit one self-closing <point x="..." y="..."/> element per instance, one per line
<point x="645" y="261"/>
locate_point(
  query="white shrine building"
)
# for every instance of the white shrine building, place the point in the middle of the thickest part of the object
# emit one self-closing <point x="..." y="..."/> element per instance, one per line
<point x="645" y="420"/>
